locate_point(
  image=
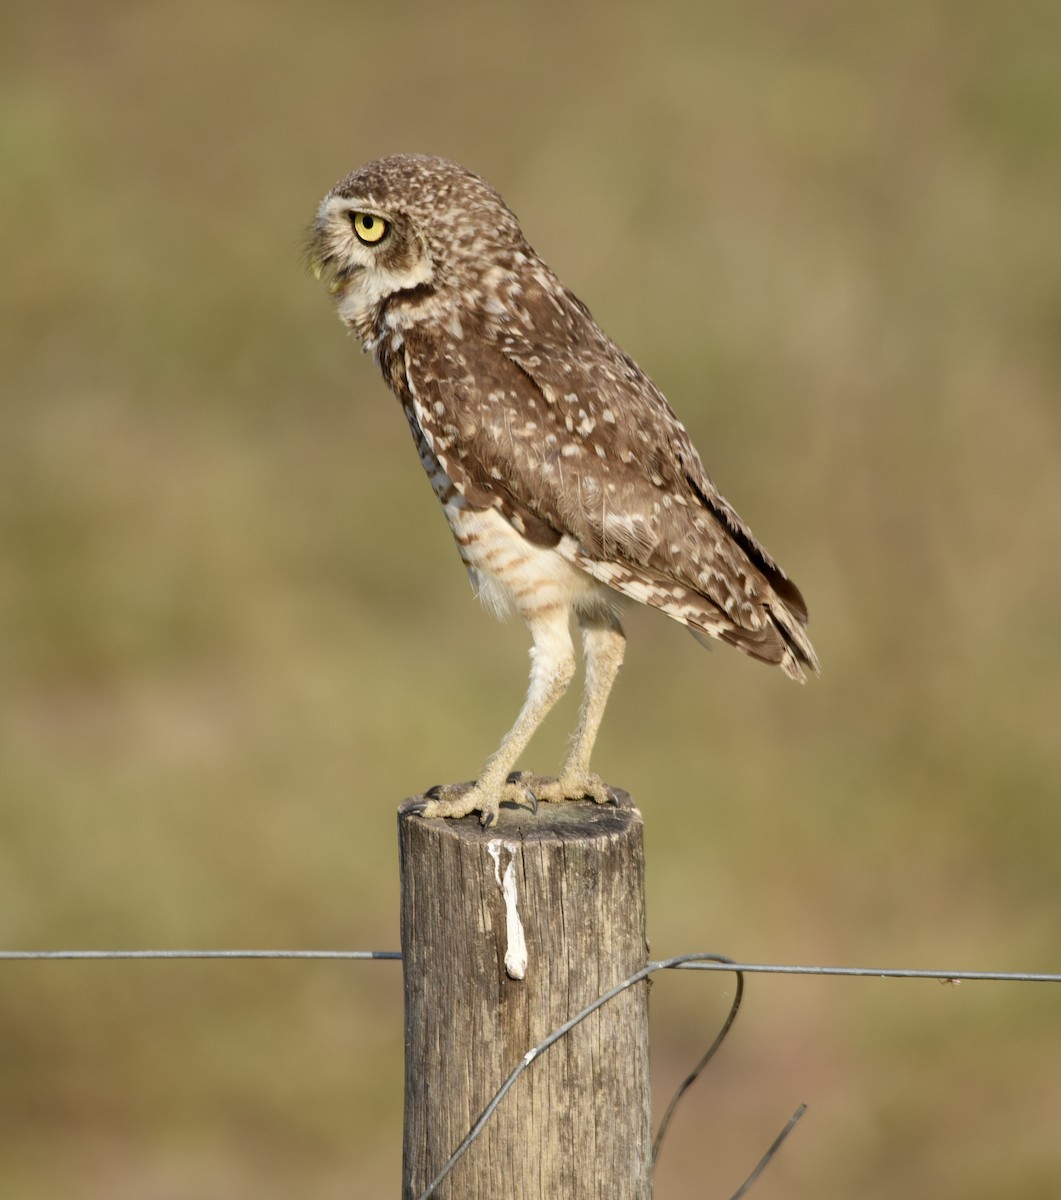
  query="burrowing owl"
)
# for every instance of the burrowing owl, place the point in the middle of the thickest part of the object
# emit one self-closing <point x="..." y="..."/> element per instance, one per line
<point x="566" y="478"/>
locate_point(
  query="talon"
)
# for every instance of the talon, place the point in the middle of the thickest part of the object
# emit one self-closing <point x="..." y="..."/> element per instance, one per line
<point x="487" y="818"/>
<point x="416" y="806"/>
<point x="533" y="802"/>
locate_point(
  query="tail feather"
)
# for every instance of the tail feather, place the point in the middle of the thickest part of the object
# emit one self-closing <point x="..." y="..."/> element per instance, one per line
<point x="781" y="641"/>
<point x="773" y="631"/>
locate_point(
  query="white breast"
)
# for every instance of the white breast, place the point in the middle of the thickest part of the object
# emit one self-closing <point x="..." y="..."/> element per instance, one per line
<point x="513" y="575"/>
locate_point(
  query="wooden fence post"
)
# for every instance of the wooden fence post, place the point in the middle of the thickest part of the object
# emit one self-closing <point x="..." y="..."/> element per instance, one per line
<point x="506" y="933"/>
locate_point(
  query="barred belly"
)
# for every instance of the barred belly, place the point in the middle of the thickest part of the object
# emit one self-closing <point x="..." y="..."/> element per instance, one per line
<point x="514" y="576"/>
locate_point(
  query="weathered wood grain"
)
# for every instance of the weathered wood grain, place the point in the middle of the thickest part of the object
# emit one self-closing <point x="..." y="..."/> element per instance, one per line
<point x="575" y="1126"/>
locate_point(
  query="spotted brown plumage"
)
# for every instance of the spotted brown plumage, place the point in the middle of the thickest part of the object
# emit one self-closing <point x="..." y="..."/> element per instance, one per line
<point x="566" y="478"/>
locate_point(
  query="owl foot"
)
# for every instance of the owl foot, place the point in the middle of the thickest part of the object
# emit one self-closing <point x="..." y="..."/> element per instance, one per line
<point x="454" y="800"/>
<point x="567" y="787"/>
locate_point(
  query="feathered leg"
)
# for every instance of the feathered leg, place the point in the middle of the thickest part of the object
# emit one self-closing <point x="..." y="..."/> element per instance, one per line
<point x="552" y="666"/>
<point x="604" y="646"/>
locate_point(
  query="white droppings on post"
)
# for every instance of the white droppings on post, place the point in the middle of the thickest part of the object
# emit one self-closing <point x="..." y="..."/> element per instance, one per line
<point x="516" y="944"/>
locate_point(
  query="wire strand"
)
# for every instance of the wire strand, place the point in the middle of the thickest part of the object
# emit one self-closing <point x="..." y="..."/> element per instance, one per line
<point x="880" y="972"/>
<point x="772" y="1149"/>
<point x="694" y="1074"/>
<point x="682" y="962"/>
<point x="700" y="962"/>
<point x="16" y="955"/>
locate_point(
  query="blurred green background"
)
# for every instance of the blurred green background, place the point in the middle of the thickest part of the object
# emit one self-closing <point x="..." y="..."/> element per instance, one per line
<point x="235" y="632"/>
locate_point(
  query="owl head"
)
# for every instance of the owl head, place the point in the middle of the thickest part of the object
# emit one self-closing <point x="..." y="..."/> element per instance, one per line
<point x="422" y="231"/>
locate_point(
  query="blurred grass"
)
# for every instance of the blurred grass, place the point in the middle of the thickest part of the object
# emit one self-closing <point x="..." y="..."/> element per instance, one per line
<point x="235" y="633"/>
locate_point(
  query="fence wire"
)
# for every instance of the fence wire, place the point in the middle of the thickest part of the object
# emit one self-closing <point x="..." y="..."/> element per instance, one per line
<point x="16" y="955"/>
<point x="697" y="962"/>
<point x="683" y="962"/>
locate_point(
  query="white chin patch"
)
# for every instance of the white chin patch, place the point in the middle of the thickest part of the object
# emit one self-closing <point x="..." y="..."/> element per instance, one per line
<point x="369" y="288"/>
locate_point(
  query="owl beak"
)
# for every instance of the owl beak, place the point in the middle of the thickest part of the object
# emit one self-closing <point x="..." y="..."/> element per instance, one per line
<point x="313" y="253"/>
<point x="328" y="266"/>
<point x="318" y="258"/>
<point x="340" y="281"/>
<point x="324" y="269"/>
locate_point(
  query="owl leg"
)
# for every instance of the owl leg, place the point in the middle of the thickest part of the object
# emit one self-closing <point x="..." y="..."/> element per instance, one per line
<point x="552" y="666"/>
<point x="604" y="645"/>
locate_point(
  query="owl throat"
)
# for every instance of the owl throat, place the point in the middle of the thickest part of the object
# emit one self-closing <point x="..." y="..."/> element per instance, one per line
<point x="382" y="326"/>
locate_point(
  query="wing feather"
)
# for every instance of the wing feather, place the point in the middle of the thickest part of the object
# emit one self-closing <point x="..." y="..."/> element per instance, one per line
<point x="567" y="436"/>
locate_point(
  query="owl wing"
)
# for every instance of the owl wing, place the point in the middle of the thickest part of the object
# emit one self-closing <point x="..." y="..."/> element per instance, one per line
<point x="568" y="437"/>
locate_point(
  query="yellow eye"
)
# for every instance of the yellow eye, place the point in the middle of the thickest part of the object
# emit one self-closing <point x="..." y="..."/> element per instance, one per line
<point x="369" y="228"/>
